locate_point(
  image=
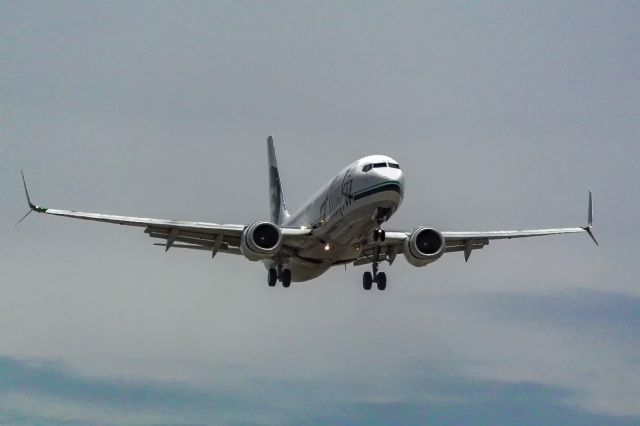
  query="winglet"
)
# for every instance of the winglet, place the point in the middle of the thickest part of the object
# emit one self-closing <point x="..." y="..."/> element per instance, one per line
<point x="32" y="207"/>
<point x="590" y="220"/>
<point x="26" y="192"/>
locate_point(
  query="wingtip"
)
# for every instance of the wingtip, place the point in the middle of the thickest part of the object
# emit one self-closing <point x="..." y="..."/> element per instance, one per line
<point x="590" y="217"/>
<point x="26" y="192"/>
<point x="590" y="232"/>
<point x="32" y="206"/>
<point x="589" y="226"/>
<point x="23" y="217"/>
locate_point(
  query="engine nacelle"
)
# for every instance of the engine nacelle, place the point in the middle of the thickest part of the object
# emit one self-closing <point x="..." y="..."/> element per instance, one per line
<point x="260" y="240"/>
<point x="424" y="246"/>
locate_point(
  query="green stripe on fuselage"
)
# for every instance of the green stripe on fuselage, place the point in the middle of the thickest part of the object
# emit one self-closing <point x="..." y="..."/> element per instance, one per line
<point x="381" y="187"/>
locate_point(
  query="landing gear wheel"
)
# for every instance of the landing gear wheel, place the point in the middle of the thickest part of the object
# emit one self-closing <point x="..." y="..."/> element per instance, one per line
<point x="367" y="280"/>
<point x="272" y="277"/>
<point x="286" y="278"/>
<point x="381" y="280"/>
<point x="379" y="235"/>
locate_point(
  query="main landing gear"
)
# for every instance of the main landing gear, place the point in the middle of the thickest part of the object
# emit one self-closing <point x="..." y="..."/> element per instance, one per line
<point x="284" y="276"/>
<point x="380" y="278"/>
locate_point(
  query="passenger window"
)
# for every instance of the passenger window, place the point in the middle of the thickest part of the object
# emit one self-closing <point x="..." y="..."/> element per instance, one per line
<point x="376" y="165"/>
<point x="366" y="168"/>
<point x="394" y="165"/>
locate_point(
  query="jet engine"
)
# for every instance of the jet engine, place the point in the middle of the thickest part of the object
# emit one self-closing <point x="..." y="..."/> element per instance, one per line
<point x="260" y="240"/>
<point x="424" y="246"/>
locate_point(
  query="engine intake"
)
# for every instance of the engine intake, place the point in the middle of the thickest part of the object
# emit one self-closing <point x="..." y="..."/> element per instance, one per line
<point x="260" y="240"/>
<point x="424" y="246"/>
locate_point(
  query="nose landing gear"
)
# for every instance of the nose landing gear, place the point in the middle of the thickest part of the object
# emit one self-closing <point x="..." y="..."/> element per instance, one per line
<point x="381" y="216"/>
<point x="378" y="235"/>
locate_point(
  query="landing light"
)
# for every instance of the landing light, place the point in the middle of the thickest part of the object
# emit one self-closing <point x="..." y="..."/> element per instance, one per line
<point x="327" y="247"/>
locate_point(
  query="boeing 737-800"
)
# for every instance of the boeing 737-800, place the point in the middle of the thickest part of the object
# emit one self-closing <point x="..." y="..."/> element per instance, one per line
<point x="341" y="224"/>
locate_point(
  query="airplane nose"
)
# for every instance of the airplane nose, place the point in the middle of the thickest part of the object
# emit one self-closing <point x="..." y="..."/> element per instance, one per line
<point x="388" y="173"/>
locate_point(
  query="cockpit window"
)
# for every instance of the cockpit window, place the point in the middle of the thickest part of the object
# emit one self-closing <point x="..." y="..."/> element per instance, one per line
<point x="368" y="167"/>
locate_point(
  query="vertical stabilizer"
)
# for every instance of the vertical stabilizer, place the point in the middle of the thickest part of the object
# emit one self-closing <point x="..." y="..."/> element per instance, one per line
<point x="278" y="207"/>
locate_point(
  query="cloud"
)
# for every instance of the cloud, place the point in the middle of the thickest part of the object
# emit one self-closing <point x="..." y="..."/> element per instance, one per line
<point x="51" y="393"/>
<point x="612" y="315"/>
<point x="583" y="340"/>
<point x="56" y="393"/>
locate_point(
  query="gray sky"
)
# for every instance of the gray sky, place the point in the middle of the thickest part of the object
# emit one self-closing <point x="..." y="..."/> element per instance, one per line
<point x="502" y="116"/>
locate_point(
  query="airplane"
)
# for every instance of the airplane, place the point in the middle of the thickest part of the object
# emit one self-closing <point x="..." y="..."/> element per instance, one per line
<point x="341" y="224"/>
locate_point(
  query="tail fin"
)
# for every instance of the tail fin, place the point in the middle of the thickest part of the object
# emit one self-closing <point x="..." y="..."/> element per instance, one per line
<point x="278" y="207"/>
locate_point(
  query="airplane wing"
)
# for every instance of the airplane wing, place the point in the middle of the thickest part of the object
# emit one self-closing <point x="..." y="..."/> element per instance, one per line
<point x="456" y="241"/>
<point x="195" y="235"/>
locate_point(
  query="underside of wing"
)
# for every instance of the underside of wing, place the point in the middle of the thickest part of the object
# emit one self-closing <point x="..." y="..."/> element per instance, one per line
<point x="215" y="237"/>
<point x="218" y="240"/>
<point x="498" y="235"/>
<point x="198" y="235"/>
<point x="423" y="241"/>
<point x="468" y="241"/>
<point x="206" y="239"/>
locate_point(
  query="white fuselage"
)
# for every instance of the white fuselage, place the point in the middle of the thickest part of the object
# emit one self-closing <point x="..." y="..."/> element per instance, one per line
<point x="344" y="213"/>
